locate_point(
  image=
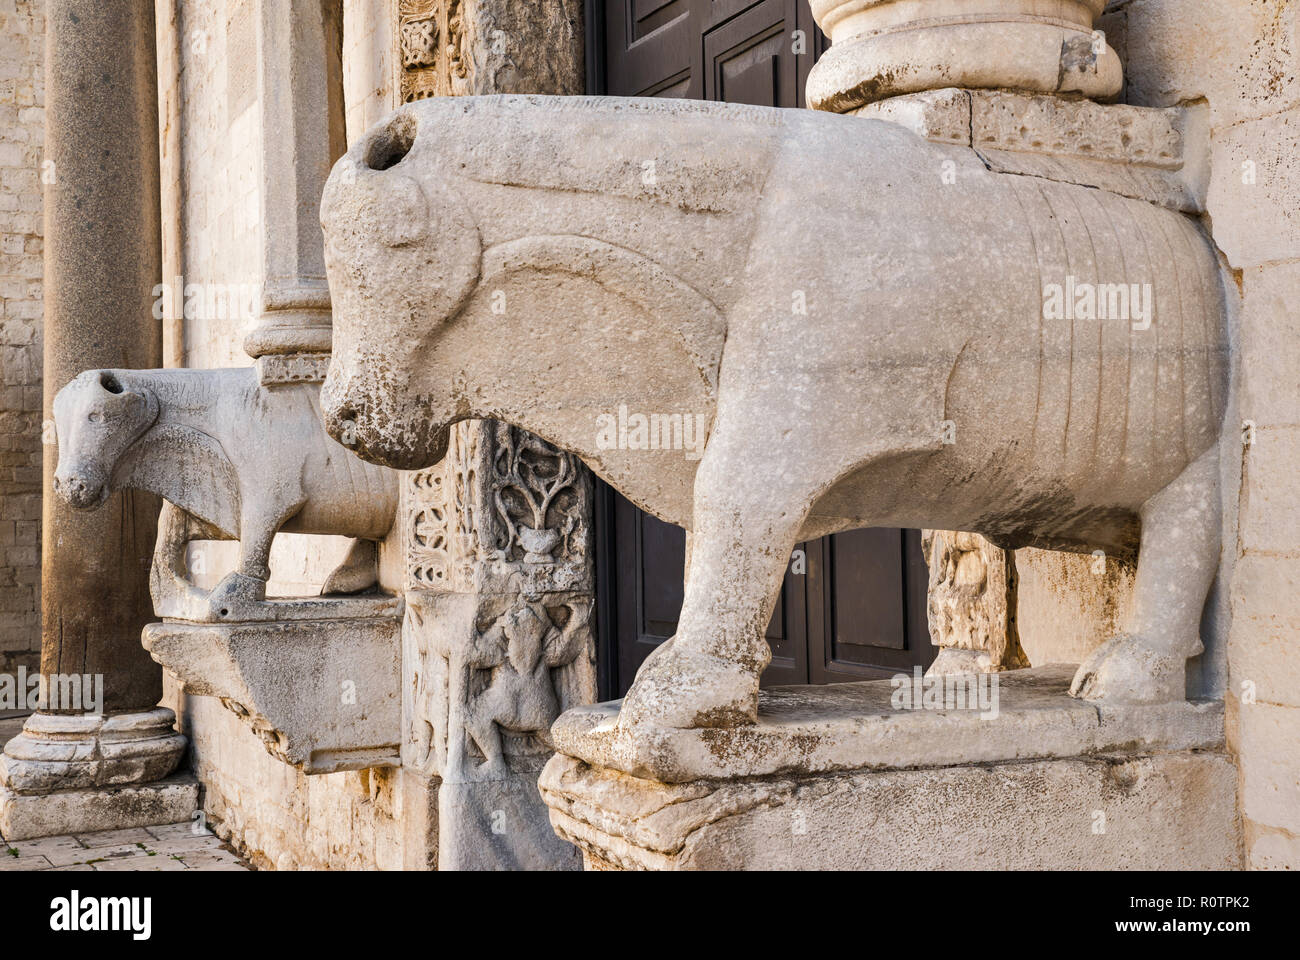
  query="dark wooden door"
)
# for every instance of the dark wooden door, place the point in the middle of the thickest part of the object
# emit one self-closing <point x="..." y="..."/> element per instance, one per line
<point x="852" y="605"/>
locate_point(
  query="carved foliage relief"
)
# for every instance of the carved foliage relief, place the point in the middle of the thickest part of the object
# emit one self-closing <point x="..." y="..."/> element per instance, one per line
<point x="504" y="511"/>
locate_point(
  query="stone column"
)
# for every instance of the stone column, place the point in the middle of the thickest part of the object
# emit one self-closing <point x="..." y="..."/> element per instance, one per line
<point x="102" y="260"/>
<point x="884" y="48"/>
<point x="499" y="637"/>
<point x="300" y="88"/>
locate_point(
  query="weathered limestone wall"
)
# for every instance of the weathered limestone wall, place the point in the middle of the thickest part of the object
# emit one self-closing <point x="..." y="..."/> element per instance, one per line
<point x="22" y="130"/>
<point x="282" y="819"/>
<point x="1240" y="57"/>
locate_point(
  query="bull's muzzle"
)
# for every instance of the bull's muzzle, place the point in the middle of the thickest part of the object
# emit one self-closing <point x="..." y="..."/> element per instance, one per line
<point x="80" y="490"/>
<point x="367" y="428"/>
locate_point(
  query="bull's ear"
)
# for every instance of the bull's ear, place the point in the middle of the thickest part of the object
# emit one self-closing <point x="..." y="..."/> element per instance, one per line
<point x="403" y="234"/>
<point x="138" y="402"/>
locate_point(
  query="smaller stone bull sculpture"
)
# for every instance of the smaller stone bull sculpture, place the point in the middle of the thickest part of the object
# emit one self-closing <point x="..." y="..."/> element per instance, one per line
<point x="234" y="461"/>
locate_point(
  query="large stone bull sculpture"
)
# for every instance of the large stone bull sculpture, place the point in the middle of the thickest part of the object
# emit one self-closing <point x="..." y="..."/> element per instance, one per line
<point x="858" y="316"/>
<point x="234" y="461"/>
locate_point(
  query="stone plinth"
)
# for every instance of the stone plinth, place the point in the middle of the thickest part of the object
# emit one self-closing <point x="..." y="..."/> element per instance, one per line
<point x="1164" y="812"/>
<point x="835" y="778"/>
<point x="883" y="48"/>
<point x="23" y="817"/>
<point x="323" y="695"/>
<point x="853" y="726"/>
<point x="69" y="773"/>
<point x="1137" y="152"/>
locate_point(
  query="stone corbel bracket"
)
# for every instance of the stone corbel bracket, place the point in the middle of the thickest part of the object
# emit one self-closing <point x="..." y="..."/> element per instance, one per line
<point x="1143" y="153"/>
<point x="322" y="695"/>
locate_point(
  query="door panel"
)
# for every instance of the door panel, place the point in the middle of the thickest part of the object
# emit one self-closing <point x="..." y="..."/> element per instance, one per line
<point x="859" y="609"/>
<point x="699" y="49"/>
<point x="649" y="569"/>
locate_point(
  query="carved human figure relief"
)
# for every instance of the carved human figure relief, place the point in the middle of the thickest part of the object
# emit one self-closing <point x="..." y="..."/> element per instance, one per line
<point x="519" y="651"/>
<point x="233" y="460"/>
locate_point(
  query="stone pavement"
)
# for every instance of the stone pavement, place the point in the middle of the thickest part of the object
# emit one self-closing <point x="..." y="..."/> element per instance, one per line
<point x="173" y="847"/>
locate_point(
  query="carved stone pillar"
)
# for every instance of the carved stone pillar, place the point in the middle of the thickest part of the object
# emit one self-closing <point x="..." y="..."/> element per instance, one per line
<point x="300" y="88"/>
<point x="102" y="259"/>
<point x="971" y="604"/>
<point x="499" y="632"/>
<point x="498" y="636"/>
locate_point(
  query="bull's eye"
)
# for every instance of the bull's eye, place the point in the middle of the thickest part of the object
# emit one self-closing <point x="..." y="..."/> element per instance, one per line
<point x="95" y="416"/>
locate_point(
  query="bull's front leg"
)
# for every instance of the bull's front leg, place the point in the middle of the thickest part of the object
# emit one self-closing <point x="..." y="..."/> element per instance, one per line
<point x="707" y="675"/>
<point x="244" y="588"/>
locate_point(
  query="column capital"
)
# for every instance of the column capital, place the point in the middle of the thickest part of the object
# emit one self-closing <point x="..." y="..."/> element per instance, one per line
<point x="882" y="48"/>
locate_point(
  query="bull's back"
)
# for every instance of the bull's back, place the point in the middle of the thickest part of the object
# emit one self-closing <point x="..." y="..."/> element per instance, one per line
<point x="1069" y="420"/>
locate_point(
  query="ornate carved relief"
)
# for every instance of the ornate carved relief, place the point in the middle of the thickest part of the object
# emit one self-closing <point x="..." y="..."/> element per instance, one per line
<point x="419" y="36"/>
<point x="534" y="496"/>
<point x="503" y="511"/>
<point x="419" y="39"/>
<point x="971" y="604"/>
<point x="496" y="671"/>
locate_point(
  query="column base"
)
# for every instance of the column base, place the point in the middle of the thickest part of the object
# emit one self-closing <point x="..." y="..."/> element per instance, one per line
<point x="29" y="816"/>
<point x="57" y="752"/>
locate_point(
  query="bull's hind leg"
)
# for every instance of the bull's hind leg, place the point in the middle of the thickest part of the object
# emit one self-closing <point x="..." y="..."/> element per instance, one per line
<point x="1177" y="560"/>
<point x="357" y="573"/>
<point x="707" y="675"/>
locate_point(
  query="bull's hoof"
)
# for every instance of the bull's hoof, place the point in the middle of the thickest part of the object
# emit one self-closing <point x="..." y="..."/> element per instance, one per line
<point x="1125" y="670"/>
<point x="236" y="597"/>
<point x="684" y="690"/>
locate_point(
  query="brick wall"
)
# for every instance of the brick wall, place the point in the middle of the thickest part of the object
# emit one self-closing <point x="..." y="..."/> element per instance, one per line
<point x="22" y="128"/>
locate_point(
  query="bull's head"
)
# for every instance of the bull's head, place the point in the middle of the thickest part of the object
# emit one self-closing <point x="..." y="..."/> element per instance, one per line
<point x="403" y="256"/>
<point x="97" y="417"/>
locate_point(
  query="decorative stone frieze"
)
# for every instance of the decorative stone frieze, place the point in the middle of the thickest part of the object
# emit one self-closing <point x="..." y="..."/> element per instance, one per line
<point x="277" y="369"/>
<point x="883" y="48"/>
<point x="503" y="511"/>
